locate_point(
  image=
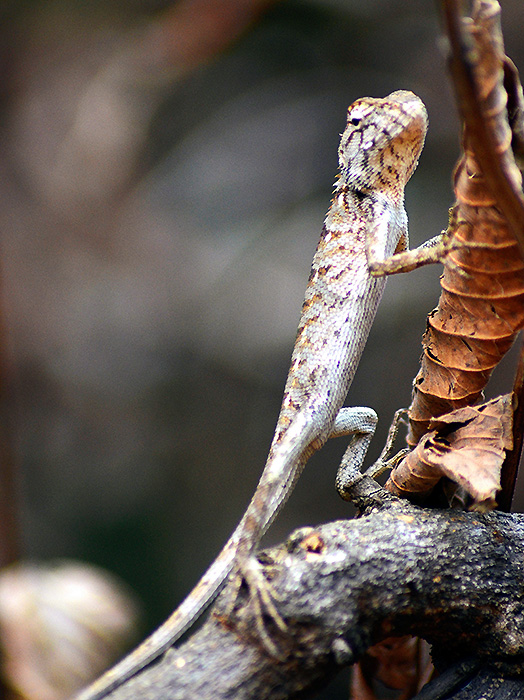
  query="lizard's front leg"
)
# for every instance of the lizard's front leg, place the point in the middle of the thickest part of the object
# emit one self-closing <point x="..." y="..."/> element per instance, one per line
<point x="431" y="251"/>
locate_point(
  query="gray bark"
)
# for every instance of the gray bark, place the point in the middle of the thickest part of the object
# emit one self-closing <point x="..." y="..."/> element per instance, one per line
<point x="454" y="578"/>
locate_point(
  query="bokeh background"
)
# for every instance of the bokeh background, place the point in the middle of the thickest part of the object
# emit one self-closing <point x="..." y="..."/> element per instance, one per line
<point x="165" y="168"/>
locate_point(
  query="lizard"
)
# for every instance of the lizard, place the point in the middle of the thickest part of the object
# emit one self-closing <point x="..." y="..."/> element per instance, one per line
<point x="364" y="238"/>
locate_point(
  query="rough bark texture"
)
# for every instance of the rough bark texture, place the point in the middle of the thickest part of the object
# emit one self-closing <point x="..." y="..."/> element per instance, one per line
<point x="453" y="578"/>
<point x="466" y="681"/>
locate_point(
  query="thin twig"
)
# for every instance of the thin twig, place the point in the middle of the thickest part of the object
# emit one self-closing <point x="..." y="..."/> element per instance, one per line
<point x="510" y="467"/>
<point x="9" y="500"/>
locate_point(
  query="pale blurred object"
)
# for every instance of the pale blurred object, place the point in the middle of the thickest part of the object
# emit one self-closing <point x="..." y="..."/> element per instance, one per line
<point x="61" y="625"/>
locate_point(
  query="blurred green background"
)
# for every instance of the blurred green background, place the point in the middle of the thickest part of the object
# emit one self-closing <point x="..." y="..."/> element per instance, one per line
<point x="165" y="168"/>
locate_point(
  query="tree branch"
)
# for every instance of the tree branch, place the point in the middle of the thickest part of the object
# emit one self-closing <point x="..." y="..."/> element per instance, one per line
<point x="453" y="578"/>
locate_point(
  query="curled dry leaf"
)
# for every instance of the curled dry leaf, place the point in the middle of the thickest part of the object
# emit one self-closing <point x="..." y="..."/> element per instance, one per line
<point x="481" y="307"/>
<point x="402" y="663"/>
<point x="467" y="445"/>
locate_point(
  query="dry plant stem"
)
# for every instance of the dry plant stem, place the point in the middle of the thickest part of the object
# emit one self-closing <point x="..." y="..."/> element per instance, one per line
<point x="9" y="527"/>
<point x="507" y="192"/>
<point x="513" y="87"/>
<point x="9" y="501"/>
<point x="441" y="575"/>
<point x="481" y="307"/>
<point x="510" y="467"/>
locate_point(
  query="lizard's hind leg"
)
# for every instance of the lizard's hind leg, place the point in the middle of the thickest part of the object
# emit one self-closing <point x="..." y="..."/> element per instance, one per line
<point x="360" y="423"/>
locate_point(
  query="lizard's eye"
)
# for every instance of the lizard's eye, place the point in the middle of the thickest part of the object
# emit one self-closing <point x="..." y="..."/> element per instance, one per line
<point x="355" y="121"/>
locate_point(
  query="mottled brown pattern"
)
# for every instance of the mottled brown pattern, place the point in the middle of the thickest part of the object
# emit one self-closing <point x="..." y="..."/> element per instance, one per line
<point x="481" y="307"/>
<point x="378" y="153"/>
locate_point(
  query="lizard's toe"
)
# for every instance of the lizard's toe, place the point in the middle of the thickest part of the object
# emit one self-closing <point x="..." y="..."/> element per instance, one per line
<point x="264" y="598"/>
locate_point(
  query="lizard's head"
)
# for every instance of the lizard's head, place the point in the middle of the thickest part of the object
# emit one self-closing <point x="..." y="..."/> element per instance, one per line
<point x="381" y="143"/>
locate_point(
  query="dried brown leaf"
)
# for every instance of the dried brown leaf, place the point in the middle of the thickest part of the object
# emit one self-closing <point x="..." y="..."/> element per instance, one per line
<point x="360" y="686"/>
<point x="481" y="308"/>
<point x="402" y="663"/>
<point x="467" y="445"/>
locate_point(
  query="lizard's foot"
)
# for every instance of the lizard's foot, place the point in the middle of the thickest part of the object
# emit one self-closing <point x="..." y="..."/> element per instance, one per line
<point x="264" y="598"/>
<point x="383" y="465"/>
<point x="387" y="460"/>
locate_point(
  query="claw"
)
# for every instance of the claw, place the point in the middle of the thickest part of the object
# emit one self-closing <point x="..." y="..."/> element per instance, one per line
<point x="381" y="465"/>
<point x="263" y="590"/>
<point x="264" y="598"/>
<point x="267" y="642"/>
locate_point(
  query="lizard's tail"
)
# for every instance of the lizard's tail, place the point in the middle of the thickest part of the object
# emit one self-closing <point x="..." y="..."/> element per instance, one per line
<point x="172" y="629"/>
<point x="206" y="590"/>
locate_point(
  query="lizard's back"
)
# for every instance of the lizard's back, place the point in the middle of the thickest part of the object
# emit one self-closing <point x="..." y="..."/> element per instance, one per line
<point x="367" y="212"/>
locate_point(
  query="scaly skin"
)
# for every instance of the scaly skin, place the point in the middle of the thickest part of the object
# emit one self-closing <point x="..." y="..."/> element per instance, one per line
<point x="365" y="225"/>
